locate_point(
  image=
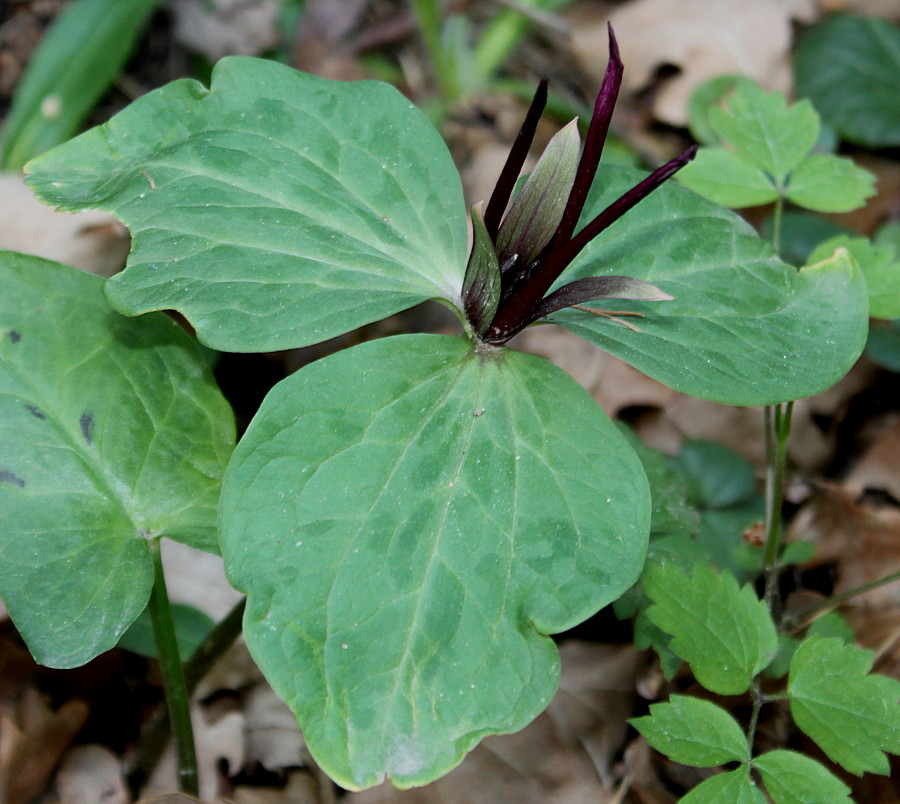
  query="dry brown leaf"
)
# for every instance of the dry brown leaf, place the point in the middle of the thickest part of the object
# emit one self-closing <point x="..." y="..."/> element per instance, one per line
<point x="301" y="788"/>
<point x="704" y="38"/>
<point x="91" y="774"/>
<point x="876" y="8"/>
<point x="218" y="28"/>
<point x="92" y="241"/>
<point x="222" y="739"/>
<point x="273" y="736"/>
<point x="863" y="542"/>
<point x="33" y="739"/>
<point x="879" y="467"/>
<point x="563" y="757"/>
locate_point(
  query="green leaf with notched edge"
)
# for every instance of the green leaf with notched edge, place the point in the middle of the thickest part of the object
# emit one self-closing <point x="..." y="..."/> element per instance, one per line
<point x="733" y="787"/>
<point x="853" y="716"/>
<point x="410" y="519"/>
<point x="111" y="430"/>
<point x="724" y="632"/>
<point x="693" y="732"/>
<point x="850" y="68"/>
<point x="274" y="209"/>
<point x="762" y="127"/>
<point x="828" y="183"/>
<point x="792" y="778"/>
<point x="743" y="328"/>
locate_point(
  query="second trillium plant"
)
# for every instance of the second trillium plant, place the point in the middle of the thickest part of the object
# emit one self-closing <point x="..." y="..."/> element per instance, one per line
<point x="412" y="518"/>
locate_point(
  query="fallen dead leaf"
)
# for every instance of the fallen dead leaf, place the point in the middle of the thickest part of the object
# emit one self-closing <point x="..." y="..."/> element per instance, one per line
<point x="91" y="774"/>
<point x="301" y="788"/>
<point x="703" y="38"/>
<point x="92" y="241"/>
<point x="890" y="9"/>
<point x="562" y="757"/>
<point x="273" y="736"/>
<point x="218" y="28"/>
<point x="33" y="739"/>
<point x="216" y="741"/>
<point x="879" y="467"/>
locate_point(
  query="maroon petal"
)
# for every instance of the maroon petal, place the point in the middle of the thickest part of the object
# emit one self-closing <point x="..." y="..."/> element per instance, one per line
<point x="517" y="155"/>
<point x="597" y="287"/>
<point x="593" y="144"/>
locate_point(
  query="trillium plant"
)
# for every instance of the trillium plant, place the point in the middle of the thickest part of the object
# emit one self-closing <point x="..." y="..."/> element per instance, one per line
<point x="411" y="518"/>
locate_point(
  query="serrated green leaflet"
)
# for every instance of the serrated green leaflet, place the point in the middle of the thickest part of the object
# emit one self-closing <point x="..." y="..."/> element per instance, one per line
<point x="111" y="431"/>
<point x="724" y="632"/>
<point x="792" y="778"/>
<point x="727" y="178"/>
<point x="274" y="209"/>
<point x="761" y="126"/>
<point x="734" y="787"/>
<point x="410" y="519"/>
<point x="744" y="328"/>
<point x="829" y="183"/>
<point x="880" y="265"/>
<point x="850" y="68"/>
<point x="693" y="732"/>
<point x="852" y="716"/>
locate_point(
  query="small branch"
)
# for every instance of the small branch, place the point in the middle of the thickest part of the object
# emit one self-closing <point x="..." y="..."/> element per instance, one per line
<point x="800" y="621"/>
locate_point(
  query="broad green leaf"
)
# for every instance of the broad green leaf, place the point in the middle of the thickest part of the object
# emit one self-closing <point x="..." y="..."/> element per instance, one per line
<point x="410" y="519"/>
<point x="832" y="624"/>
<point x="112" y="431"/>
<point x="761" y="126"/>
<point x="727" y="178"/>
<point x="274" y="209"/>
<point x="850" y="68"/>
<point x="724" y="632"/>
<point x="852" y="716"/>
<point x="880" y="266"/>
<point x="801" y="232"/>
<point x="83" y="51"/>
<point x="716" y="477"/>
<point x="693" y="732"/>
<point x="792" y="778"/>
<point x="884" y="344"/>
<point x="192" y="626"/>
<point x="781" y="664"/>
<point x="733" y="787"/>
<point x="828" y="183"/>
<point x="744" y="328"/>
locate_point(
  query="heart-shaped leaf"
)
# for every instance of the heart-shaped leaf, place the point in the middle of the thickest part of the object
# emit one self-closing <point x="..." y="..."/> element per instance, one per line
<point x="112" y="431"/>
<point x="743" y="328"/>
<point x="410" y="519"/>
<point x="273" y="210"/>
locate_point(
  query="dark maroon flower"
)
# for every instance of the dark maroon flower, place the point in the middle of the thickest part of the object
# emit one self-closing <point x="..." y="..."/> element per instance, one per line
<point x="516" y="259"/>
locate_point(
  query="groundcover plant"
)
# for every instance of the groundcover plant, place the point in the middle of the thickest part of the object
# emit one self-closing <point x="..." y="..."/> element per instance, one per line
<point x="410" y="518"/>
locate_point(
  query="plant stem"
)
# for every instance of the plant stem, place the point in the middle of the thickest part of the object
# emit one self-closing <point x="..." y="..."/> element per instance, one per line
<point x="428" y="15"/>
<point x="177" y="699"/>
<point x="155" y="735"/>
<point x="833" y="602"/>
<point x="778" y="428"/>
<point x="777" y="215"/>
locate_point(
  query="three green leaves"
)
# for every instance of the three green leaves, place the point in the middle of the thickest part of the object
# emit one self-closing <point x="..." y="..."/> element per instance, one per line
<point x="413" y="517"/>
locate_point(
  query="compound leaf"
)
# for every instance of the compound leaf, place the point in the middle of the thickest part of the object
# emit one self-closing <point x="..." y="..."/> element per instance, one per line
<point x="410" y="519"/>
<point x="112" y="431"/>
<point x="792" y="778"/>
<point x="853" y="716"/>
<point x="693" y="732"/>
<point x="724" y="632"/>
<point x="272" y="210"/>
<point x="727" y="178"/>
<point x="734" y="787"/>
<point x="744" y="328"/>
<point x="762" y="127"/>
<point x="850" y="68"/>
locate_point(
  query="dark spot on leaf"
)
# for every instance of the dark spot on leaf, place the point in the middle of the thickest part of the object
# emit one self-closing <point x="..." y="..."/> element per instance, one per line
<point x="85" y="423"/>
<point x="36" y="412"/>
<point x="14" y="336"/>
<point x="13" y="480"/>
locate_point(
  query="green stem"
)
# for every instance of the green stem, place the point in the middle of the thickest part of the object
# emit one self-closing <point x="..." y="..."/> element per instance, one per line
<point x="428" y="15"/>
<point x="177" y="699"/>
<point x="777" y="215"/>
<point x="156" y="732"/>
<point x="778" y="429"/>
